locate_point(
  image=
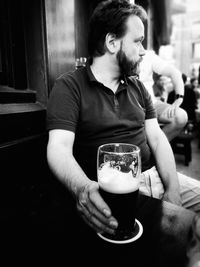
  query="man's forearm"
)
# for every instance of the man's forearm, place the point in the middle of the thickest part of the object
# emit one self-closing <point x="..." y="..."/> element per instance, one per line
<point x="178" y="88"/>
<point x="66" y="169"/>
<point x="167" y="170"/>
<point x="178" y="83"/>
<point x="176" y="78"/>
<point x="165" y="163"/>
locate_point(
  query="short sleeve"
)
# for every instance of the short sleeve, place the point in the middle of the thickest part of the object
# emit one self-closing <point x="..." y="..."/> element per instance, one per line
<point x="63" y="105"/>
<point x="150" y="111"/>
<point x="148" y="106"/>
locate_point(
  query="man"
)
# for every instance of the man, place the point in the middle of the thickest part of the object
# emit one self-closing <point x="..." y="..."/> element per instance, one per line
<point x="99" y="104"/>
<point x="171" y="116"/>
<point x="189" y="103"/>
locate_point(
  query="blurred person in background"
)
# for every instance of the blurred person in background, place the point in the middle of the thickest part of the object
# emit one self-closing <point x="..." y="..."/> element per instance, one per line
<point x="162" y="87"/>
<point x="172" y="118"/>
<point x="190" y="100"/>
<point x="193" y="73"/>
<point x="195" y="87"/>
<point x="189" y="103"/>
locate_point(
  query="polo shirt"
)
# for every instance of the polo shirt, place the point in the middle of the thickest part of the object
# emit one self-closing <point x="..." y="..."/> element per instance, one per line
<point x="81" y="104"/>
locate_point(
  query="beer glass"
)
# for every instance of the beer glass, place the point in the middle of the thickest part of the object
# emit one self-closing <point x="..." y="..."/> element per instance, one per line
<point x="118" y="172"/>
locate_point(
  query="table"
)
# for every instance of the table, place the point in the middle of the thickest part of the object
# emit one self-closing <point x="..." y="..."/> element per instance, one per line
<point x="58" y="236"/>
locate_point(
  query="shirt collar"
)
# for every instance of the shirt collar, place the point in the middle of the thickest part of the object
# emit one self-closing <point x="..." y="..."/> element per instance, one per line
<point x="123" y="78"/>
<point x="90" y="74"/>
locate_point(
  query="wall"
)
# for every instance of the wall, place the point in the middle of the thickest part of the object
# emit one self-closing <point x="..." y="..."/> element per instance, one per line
<point x="60" y="37"/>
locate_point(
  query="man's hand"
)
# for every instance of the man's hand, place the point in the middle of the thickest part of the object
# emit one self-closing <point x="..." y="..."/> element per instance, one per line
<point x="170" y="111"/>
<point x="177" y="102"/>
<point x="168" y="114"/>
<point x="94" y="211"/>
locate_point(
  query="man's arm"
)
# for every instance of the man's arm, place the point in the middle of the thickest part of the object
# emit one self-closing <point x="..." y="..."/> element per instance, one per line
<point x="165" y="161"/>
<point x="162" y="67"/>
<point x="90" y="205"/>
<point x="176" y="78"/>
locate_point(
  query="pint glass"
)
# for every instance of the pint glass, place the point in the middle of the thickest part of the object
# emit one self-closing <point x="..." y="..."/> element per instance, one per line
<point x="118" y="172"/>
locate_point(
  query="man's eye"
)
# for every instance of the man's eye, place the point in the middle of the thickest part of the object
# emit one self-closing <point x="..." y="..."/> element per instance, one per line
<point x="138" y="43"/>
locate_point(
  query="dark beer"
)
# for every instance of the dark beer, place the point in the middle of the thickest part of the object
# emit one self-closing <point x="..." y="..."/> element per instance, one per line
<point x="120" y="192"/>
<point x="118" y="171"/>
<point x="123" y="207"/>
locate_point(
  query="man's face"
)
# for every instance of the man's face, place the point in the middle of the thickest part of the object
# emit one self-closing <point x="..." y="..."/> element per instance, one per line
<point x="131" y="50"/>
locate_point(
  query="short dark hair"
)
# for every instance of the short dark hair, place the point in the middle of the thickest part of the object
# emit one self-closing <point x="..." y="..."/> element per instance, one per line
<point x="110" y="17"/>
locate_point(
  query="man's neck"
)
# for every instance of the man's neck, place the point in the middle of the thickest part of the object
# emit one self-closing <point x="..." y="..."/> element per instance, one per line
<point x="106" y="72"/>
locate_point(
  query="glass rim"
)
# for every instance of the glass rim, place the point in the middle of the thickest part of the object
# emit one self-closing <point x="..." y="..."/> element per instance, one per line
<point x="137" y="149"/>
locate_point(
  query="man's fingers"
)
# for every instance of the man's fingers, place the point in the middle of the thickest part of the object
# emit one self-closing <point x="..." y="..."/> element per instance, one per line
<point x="92" y="212"/>
<point x="99" y="203"/>
<point x="95" y="209"/>
<point x="170" y="112"/>
<point x="99" y="224"/>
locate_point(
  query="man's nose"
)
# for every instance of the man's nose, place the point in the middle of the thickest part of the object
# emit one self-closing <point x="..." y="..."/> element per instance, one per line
<point x="142" y="51"/>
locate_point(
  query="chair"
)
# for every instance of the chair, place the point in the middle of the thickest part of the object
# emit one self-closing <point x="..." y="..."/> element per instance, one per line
<point x="181" y="144"/>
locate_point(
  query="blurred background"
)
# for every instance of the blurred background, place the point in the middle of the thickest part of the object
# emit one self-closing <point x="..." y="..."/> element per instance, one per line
<point x="183" y="27"/>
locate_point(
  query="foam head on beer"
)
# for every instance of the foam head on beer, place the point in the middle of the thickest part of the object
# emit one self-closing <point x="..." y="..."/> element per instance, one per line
<point x="113" y="180"/>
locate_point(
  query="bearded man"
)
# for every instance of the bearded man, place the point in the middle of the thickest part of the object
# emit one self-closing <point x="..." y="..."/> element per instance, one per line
<point x="103" y="103"/>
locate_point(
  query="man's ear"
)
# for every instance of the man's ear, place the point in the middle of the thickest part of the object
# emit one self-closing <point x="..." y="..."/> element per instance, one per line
<point x="111" y="43"/>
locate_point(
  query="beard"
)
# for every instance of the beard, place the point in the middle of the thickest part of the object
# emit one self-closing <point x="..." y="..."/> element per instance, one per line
<point x="127" y="67"/>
